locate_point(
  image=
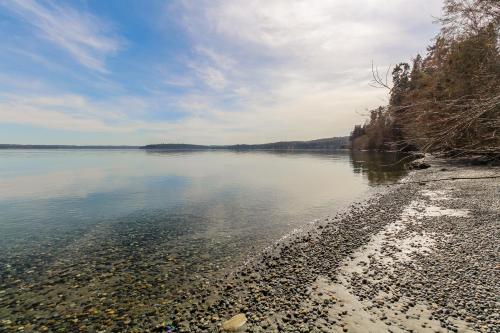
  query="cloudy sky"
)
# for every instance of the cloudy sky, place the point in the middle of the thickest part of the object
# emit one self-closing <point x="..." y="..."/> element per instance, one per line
<point x="214" y="71"/>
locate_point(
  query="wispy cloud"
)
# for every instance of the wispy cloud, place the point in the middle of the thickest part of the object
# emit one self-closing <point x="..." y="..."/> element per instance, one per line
<point x="68" y="112"/>
<point x="86" y="37"/>
<point x="296" y="68"/>
<point x="245" y="71"/>
<point x="178" y="81"/>
<point x="210" y="76"/>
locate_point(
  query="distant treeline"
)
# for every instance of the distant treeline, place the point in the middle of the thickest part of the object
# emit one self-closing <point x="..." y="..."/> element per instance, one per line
<point x="320" y="144"/>
<point x="447" y="101"/>
<point x="16" y="146"/>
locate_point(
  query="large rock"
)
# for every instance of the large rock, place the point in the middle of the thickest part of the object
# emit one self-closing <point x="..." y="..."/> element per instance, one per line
<point x="234" y="324"/>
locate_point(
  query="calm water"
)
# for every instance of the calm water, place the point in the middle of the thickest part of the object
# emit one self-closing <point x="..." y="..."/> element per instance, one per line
<point x="85" y="231"/>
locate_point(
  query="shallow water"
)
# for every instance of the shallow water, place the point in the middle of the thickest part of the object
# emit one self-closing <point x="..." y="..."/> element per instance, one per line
<point x="89" y="237"/>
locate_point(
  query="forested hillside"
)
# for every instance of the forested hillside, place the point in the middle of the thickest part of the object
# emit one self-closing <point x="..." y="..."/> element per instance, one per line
<point x="319" y="144"/>
<point x="447" y="101"/>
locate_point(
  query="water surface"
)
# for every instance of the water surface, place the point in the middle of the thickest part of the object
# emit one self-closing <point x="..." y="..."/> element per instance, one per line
<point x="124" y="235"/>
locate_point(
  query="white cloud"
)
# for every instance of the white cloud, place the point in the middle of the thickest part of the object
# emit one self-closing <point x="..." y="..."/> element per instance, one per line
<point x="59" y="112"/>
<point x="315" y="115"/>
<point x="220" y="60"/>
<point x="210" y="76"/>
<point x="259" y="71"/>
<point x="298" y="69"/>
<point x="87" y="38"/>
<point x="72" y="112"/>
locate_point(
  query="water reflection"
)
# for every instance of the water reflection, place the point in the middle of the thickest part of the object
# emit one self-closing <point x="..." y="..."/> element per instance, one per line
<point x="379" y="168"/>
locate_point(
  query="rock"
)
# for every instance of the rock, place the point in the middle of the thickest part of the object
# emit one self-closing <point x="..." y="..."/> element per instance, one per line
<point x="418" y="165"/>
<point x="235" y="323"/>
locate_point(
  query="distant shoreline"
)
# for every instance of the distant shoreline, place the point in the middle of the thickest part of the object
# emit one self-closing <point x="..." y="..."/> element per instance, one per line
<point x="16" y="146"/>
<point x="188" y="149"/>
<point x="334" y="143"/>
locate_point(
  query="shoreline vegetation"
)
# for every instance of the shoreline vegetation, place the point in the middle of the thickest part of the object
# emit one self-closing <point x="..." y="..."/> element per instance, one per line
<point x="446" y="102"/>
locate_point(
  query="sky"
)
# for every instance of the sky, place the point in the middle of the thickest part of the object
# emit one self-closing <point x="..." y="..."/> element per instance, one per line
<point x="200" y="71"/>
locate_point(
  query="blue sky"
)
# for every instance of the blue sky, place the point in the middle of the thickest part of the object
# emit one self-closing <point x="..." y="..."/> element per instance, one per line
<point x="214" y="71"/>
